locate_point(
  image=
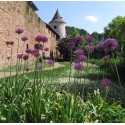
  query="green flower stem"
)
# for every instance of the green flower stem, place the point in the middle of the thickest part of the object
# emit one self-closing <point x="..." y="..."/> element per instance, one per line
<point x="117" y="74"/>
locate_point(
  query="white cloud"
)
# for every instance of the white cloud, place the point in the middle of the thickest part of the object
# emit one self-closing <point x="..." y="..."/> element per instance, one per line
<point x="92" y="19"/>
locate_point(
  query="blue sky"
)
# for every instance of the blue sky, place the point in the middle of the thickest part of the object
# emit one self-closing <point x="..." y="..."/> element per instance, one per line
<point x="89" y="15"/>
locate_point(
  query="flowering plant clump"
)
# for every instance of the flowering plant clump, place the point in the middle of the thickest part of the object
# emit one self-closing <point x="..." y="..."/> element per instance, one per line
<point x="90" y="38"/>
<point x="50" y="62"/>
<point x="106" y="58"/>
<point x="99" y="47"/>
<point x="40" y="38"/>
<point x="71" y="44"/>
<point x="105" y="82"/>
<point x="89" y="48"/>
<point x="83" y="58"/>
<point x="9" y="43"/>
<point x="79" y="52"/>
<point x="110" y="44"/>
<point x="46" y="49"/>
<point x="78" y="39"/>
<point x="25" y="57"/>
<point x="38" y="46"/>
<point x="24" y="38"/>
<point x="19" y="31"/>
<point x="78" y="66"/>
<point x="19" y="56"/>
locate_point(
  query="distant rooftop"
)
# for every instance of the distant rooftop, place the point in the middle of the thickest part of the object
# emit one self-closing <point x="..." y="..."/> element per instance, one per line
<point x="57" y="18"/>
<point x="32" y="5"/>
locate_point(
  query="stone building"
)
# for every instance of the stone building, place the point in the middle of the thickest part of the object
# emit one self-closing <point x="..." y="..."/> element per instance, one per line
<point x="21" y="14"/>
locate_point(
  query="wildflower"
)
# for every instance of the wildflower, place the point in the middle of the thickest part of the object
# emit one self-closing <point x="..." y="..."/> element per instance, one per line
<point x="19" y="56"/>
<point x="77" y="60"/>
<point x="40" y="38"/>
<point x="19" y="31"/>
<point x="50" y="62"/>
<point x="39" y="67"/>
<point x="24" y="38"/>
<point x="46" y="49"/>
<point x="78" y="66"/>
<point x="28" y="51"/>
<point x="106" y="58"/>
<point x="79" y="52"/>
<point x="99" y="46"/>
<point x="7" y="43"/>
<point x="36" y="54"/>
<point x="90" y="38"/>
<point x="71" y="44"/>
<point x="38" y="46"/>
<point x="89" y="48"/>
<point x="105" y="82"/>
<point x="25" y="57"/>
<point x="110" y="44"/>
<point x="83" y="58"/>
<point x="78" y="39"/>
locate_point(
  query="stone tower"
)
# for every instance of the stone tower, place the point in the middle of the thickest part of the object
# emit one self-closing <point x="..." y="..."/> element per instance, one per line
<point x="58" y="25"/>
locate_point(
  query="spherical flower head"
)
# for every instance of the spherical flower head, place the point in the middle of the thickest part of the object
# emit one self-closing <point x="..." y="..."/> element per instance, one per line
<point x="106" y="58"/>
<point x="36" y="54"/>
<point x="39" y="67"/>
<point x="99" y="47"/>
<point x="79" y="52"/>
<point x="27" y="69"/>
<point x="83" y="58"/>
<point x="71" y="44"/>
<point x="28" y="51"/>
<point x="11" y="42"/>
<point x="25" y="57"/>
<point x="78" y="66"/>
<point x="8" y="57"/>
<point x="24" y="38"/>
<point x="77" y="60"/>
<point x="46" y="49"/>
<point x="7" y="43"/>
<point x="110" y="44"/>
<point x="78" y="39"/>
<point x="38" y="46"/>
<point x="19" y="56"/>
<point x="89" y="48"/>
<point x="50" y="62"/>
<point x="19" y="31"/>
<point x="40" y="38"/>
<point x="105" y="82"/>
<point x="90" y="38"/>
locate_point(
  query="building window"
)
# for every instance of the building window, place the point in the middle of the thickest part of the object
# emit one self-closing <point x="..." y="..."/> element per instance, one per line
<point x="55" y="27"/>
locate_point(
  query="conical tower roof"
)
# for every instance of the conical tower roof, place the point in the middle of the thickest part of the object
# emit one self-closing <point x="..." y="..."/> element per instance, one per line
<point x="57" y="18"/>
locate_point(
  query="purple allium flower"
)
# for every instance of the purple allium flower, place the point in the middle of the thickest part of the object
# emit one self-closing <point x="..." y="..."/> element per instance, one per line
<point x="8" y="57"/>
<point x="40" y="38"/>
<point x="24" y="38"/>
<point x="46" y="49"/>
<point x="105" y="82"/>
<point x="78" y="66"/>
<point x="79" y="52"/>
<point x="77" y="60"/>
<point x="89" y="48"/>
<point x="25" y="57"/>
<point x="39" y="67"/>
<point x="90" y="38"/>
<point x="38" y="46"/>
<point x="110" y="44"/>
<point x="78" y="39"/>
<point x="27" y="69"/>
<point x="19" y="31"/>
<point x="7" y="43"/>
<point x="106" y="58"/>
<point x="11" y="42"/>
<point x="19" y="56"/>
<point x="83" y="58"/>
<point x="36" y="54"/>
<point x="71" y="44"/>
<point x="28" y="51"/>
<point x="50" y="62"/>
<point x="99" y="47"/>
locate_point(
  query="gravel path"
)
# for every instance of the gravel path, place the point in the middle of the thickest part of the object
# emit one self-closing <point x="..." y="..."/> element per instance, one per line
<point x="6" y="74"/>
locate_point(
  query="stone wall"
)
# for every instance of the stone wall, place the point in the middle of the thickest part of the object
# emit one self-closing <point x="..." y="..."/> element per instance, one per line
<point x="18" y="14"/>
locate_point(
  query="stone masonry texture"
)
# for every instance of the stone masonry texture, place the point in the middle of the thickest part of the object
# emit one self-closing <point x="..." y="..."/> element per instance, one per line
<point x="18" y="14"/>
